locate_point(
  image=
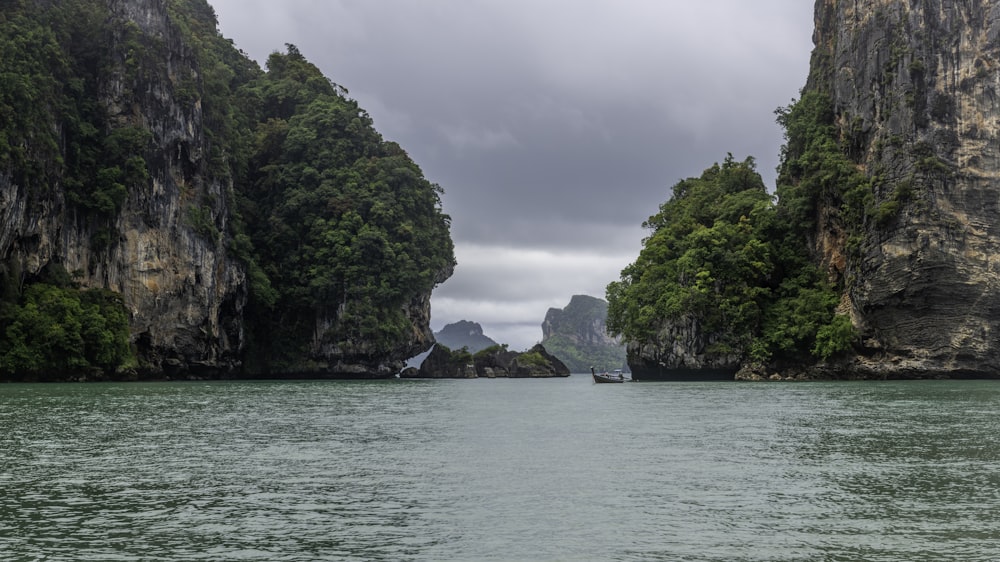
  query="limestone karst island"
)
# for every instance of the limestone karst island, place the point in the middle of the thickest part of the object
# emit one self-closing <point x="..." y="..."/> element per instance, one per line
<point x="170" y="208"/>
<point x="878" y="258"/>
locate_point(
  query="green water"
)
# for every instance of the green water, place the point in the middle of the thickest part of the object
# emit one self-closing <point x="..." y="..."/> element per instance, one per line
<point x="555" y="469"/>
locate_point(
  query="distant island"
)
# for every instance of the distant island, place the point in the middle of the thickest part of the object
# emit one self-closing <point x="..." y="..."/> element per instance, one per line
<point x="574" y="339"/>
<point x="578" y="336"/>
<point x="464" y="334"/>
<point x="463" y="351"/>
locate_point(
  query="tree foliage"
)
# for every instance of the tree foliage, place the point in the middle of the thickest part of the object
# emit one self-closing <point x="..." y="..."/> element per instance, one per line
<point x="63" y="330"/>
<point x="704" y="258"/>
<point x="343" y="223"/>
<point x="723" y="253"/>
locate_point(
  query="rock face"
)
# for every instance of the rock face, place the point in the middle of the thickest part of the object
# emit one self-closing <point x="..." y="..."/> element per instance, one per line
<point x="915" y="94"/>
<point x="577" y="335"/>
<point x="464" y="334"/>
<point x="184" y="293"/>
<point x="534" y="363"/>
<point x="441" y="363"/>
<point x="683" y="352"/>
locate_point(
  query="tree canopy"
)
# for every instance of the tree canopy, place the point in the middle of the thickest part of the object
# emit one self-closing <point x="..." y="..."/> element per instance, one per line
<point x="723" y="253"/>
<point x="343" y="223"/>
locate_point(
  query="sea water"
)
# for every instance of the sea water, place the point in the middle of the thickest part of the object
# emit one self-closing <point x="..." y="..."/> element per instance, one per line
<point x="497" y="469"/>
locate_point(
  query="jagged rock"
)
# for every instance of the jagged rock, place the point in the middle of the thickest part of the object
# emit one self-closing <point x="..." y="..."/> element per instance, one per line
<point x="410" y="373"/>
<point x="914" y="91"/>
<point x="490" y="363"/>
<point x="751" y="372"/>
<point x="442" y="363"/>
<point x="915" y="108"/>
<point x="534" y="363"/>
<point x="681" y="351"/>
<point x="358" y="359"/>
<point x="494" y="362"/>
<point x="525" y="365"/>
<point x="184" y="292"/>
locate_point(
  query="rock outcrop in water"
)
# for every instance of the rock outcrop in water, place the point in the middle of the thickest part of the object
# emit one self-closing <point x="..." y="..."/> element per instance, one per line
<point x="143" y="154"/>
<point x="492" y="362"/>
<point x="184" y="292"/>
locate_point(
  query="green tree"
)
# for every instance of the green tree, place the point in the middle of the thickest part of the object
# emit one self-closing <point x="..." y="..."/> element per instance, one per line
<point x="704" y="259"/>
<point x="61" y="330"/>
<point x="723" y="255"/>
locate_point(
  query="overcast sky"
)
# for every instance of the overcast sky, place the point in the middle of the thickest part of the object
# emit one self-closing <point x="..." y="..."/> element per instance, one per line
<point x="555" y="127"/>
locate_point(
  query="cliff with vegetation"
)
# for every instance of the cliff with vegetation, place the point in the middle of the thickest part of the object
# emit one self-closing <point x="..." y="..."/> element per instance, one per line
<point x="578" y="336"/>
<point x="913" y="236"/>
<point x="169" y="208"/>
<point x="724" y="281"/>
<point x="877" y="259"/>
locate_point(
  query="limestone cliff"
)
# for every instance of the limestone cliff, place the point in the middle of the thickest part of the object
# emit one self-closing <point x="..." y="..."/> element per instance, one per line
<point x="915" y="87"/>
<point x="682" y="350"/>
<point x="182" y="289"/>
<point x="138" y="151"/>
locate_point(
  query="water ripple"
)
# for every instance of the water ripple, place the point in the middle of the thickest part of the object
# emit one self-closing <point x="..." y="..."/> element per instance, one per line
<point x="499" y="470"/>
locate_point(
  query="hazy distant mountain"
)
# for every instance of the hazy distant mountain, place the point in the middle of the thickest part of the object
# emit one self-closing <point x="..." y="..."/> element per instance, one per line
<point x="577" y="336"/>
<point x="464" y="334"/>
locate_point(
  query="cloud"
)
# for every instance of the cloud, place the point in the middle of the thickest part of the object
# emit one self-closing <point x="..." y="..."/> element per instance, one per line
<point x="509" y="289"/>
<point x="555" y="127"/>
<point x="468" y="136"/>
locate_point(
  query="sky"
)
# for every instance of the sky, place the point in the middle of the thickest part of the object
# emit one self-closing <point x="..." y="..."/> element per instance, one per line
<point x="555" y="127"/>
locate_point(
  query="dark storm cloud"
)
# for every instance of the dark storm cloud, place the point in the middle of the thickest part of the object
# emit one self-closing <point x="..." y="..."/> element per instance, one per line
<point x="555" y="127"/>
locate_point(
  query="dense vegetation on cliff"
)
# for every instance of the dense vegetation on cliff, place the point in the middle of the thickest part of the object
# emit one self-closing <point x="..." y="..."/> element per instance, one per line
<point x="337" y="229"/>
<point x="54" y="138"/>
<point x="341" y="220"/>
<point x="722" y="254"/>
<point x="56" y="327"/>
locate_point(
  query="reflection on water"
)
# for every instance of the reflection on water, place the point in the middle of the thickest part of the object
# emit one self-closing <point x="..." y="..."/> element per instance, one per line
<point x="500" y="470"/>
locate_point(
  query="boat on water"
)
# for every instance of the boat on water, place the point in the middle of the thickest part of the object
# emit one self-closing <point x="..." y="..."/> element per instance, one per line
<point x="616" y="376"/>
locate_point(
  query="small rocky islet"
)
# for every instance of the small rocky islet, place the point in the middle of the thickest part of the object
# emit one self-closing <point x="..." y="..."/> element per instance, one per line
<point x="492" y="362"/>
